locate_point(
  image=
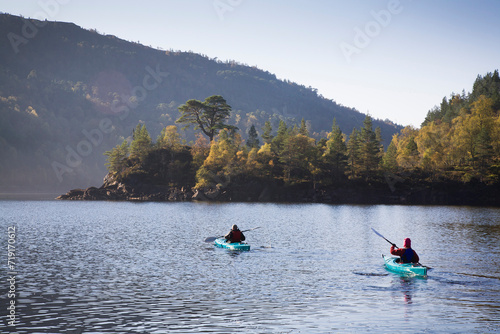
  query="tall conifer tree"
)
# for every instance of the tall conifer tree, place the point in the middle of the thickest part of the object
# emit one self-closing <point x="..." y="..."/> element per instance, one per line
<point x="141" y="142"/>
<point x="369" y="149"/>
<point x="253" y="138"/>
<point x="267" y="132"/>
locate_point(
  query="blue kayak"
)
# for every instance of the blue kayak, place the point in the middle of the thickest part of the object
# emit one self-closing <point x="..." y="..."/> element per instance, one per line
<point x="239" y="246"/>
<point x="404" y="268"/>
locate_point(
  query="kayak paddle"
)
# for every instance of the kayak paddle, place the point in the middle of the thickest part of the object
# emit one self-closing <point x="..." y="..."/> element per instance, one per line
<point x="380" y="235"/>
<point x="212" y="239"/>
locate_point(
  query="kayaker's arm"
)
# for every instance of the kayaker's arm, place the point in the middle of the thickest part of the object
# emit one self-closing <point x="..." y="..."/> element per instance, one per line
<point x="396" y="251"/>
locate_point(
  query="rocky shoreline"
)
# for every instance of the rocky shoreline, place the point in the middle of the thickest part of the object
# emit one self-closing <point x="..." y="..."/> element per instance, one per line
<point x="441" y="193"/>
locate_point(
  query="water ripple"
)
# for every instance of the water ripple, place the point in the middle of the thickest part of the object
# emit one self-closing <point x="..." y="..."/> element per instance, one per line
<point x="104" y="267"/>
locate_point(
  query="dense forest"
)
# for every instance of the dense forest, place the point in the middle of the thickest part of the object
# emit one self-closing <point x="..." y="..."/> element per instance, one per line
<point x="457" y="147"/>
<point x="68" y="94"/>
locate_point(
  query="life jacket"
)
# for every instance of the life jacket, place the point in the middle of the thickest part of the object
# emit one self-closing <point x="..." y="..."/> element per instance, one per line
<point x="236" y="236"/>
<point x="407" y="256"/>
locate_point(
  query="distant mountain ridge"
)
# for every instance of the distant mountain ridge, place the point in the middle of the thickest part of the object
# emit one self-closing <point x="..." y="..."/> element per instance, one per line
<point x="68" y="94"/>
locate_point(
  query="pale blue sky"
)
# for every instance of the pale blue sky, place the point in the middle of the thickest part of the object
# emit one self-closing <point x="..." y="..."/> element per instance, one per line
<point x="393" y="59"/>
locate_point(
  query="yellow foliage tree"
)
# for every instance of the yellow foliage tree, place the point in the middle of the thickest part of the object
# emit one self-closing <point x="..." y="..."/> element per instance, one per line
<point x="299" y="154"/>
<point x="468" y="128"/>
<point x="266" y="160"/>
<point x="407" y="149"/>
<point x="434" y="145"/>
<point x="170" y="139"/>
<point x="223" y="162"/>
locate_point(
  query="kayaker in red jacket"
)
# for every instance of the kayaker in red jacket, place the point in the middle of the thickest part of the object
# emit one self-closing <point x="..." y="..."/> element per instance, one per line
<point x="235" y="235"/>
<point x="406" y="254"/>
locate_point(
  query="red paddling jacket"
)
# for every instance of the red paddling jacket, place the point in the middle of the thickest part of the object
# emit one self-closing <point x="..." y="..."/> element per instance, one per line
<point x="235" y="236"/>
<point x="407" y="255"/>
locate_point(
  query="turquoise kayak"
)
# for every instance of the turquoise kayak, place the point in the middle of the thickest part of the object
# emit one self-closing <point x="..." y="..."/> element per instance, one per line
<point x="404" y="268"/>
<point x="239" y="246"/>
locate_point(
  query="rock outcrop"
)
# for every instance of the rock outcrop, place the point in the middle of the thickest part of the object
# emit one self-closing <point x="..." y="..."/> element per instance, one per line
<point x="131" y="190"/>
<point x="419" y="193"/>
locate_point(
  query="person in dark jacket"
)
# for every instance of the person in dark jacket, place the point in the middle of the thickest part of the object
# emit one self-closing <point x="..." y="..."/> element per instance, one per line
<point x="235" y="235"/>
<point x="406" y="254"/>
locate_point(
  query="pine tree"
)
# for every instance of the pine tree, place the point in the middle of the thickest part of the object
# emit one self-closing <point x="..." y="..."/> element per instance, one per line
<point x="489" y="86"/>
<point x="378" y="139"/>
<point x="253" y="138"/>
<point x="117" y="158"/>
<point x="303" y="128"/>
<point x="141" y="143"/>
<point x="336" y="151"/>
<point x="266" y="133"/>
<point x="389" y="160"/>
<point x="484" y="148"/>
<point x="369" y="149"/>
<point x="353" y="154"/>
<point x="279" y="140"/>
<point x="209" y="115"/>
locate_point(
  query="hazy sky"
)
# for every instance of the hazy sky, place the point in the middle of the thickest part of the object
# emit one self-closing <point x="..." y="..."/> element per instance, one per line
<point x="394" y="59"/>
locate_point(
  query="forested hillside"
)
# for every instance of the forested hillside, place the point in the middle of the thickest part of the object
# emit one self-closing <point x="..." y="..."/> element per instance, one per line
<point x="68" y="94"/>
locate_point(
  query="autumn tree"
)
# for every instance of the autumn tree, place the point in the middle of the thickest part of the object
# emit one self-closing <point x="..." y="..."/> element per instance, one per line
<point x="223" y="162"/>
<point x="475" y="128"/>
<point x="298" y="156"/>
<point x="434" y="146"/>
<point x="266" y="161"/>
<point x="170" y="139"/>
<point x="408" y="155"/>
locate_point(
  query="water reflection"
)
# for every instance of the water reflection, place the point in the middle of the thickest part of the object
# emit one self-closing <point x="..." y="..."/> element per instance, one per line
<point x="406" y="286"/>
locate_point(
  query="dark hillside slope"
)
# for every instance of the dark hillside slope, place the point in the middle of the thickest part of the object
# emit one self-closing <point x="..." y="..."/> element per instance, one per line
<point x="68" y="94"/>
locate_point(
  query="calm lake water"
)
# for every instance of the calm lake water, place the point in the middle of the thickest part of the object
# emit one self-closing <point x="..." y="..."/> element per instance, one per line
<point x="120" y="267"/>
